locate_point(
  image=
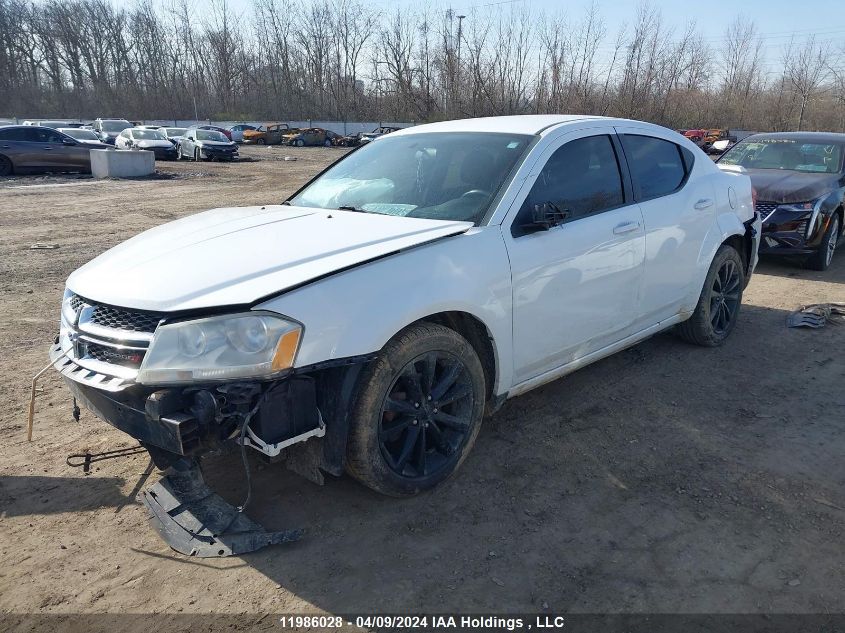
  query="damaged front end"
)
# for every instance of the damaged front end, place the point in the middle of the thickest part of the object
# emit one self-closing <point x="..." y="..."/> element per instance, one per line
<point x="111" y="359"/>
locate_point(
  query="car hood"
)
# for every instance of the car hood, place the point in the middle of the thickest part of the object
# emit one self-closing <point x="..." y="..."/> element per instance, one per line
<point x="155" y="143"/>
<point x="236" y="256"/>
<point x="786" y="186"/>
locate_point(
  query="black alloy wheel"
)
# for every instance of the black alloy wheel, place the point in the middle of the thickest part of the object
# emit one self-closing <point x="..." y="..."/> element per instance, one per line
<point x="717" y="310"/>
<point x="418" y="411"/>
<point x="427" y="415"/>
<point x="725" y="297"/>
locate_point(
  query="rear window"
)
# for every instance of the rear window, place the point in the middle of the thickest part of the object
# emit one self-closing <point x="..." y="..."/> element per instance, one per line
<point x="658" y="167"/>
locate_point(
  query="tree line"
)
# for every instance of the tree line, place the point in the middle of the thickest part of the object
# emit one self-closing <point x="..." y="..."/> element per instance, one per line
<point x="345" y="60"/>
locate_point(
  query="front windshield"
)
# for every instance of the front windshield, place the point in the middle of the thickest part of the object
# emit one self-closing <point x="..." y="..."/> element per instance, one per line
<point x="148" y="135"/>
<point x="82" y="135"/>
<point x="435" y="175"/>
<point x="176" y="131"/>
<point x="211" y="135"/>
<point x="791" y="154"/>
<point x="115" y="126"/>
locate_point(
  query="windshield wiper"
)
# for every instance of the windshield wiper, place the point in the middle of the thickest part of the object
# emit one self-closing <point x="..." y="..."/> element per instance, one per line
<point x="346" y="207"/>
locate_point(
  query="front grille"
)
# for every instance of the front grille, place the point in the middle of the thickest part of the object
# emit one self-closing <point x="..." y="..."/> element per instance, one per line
<point x="76" y="302"/>
<point x="765" y="208"/>
<point x="113" y="355"/>
<point x="128" y="320"/>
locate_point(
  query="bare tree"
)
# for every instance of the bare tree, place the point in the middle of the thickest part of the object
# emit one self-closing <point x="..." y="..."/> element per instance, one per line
<point x="806" y="67"/>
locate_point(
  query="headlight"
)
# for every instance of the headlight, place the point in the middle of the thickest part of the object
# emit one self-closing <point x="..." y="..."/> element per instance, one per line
<point x="68" y="313"/>
<point x="250" y="345"/>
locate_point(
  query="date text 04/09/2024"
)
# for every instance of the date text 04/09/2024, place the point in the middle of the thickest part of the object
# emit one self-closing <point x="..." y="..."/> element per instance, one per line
<point x="438" y="621"/>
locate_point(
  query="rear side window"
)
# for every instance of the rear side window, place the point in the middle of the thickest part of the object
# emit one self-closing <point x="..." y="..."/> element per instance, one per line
<point x="658" y="167"/>
<point x="581" y="178"/>
<point x="14" y="134"/>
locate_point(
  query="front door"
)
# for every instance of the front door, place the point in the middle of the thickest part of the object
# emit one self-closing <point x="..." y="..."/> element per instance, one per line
<point x="575" y="286"/>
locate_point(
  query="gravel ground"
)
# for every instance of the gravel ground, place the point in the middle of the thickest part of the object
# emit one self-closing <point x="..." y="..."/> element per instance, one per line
<point x="668" y="478"/>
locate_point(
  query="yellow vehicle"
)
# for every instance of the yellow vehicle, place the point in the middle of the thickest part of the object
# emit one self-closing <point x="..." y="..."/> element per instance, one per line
<point x="267" y="134"/>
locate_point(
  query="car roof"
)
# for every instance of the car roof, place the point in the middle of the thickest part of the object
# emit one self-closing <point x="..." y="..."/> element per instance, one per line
<point x="806" y="137"/>
<point x="516" y="124"/>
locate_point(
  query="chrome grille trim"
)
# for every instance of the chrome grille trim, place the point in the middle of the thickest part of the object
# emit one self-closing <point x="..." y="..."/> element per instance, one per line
<point x="69" y="368"/>
<point x="90" y="330"/>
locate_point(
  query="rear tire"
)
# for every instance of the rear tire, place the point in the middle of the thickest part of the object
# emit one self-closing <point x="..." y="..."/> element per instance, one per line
<point x="418" y="412"/>
<point x="820" y="260"/>
<point x="6" y="167"/>
<point x="718" y="305"/>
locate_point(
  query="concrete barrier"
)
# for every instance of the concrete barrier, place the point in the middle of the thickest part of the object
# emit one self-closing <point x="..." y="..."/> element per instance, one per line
<point x="119" y="163"/>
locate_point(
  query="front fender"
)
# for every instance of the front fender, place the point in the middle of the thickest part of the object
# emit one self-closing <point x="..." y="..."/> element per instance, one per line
<point x="357" y="311"/>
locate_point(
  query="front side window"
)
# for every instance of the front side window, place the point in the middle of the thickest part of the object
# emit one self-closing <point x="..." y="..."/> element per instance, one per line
<point x="581" y="178"/>
<point x="657" y="166"/>
<point x="434" y="175"/>
<point x="47" y="135"/>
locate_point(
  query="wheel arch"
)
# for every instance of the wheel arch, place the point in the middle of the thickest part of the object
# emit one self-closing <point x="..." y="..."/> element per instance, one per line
<point x="477" y="334"/>
<point x="11" y="163"/>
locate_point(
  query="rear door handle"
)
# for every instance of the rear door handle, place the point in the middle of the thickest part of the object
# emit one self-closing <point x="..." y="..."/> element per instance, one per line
<point x="704" y="203"/>
<point x="626" y="227"/>
<point x="47" y="149"/>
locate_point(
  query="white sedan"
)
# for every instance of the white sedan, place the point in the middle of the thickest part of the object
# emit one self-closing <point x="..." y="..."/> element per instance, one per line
<point x="370" y="321"/>
<point x="153" y="140"/>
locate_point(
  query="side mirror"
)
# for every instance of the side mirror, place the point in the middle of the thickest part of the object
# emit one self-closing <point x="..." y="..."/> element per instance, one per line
<point x="545" y="216"/>
<point x="69" y="141"/>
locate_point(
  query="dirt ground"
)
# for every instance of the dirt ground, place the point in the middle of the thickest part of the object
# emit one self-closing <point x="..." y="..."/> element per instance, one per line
<point x="668" y="478"/>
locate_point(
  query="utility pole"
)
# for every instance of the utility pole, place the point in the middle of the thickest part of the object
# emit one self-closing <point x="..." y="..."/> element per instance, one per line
<point x="458" y="65"/>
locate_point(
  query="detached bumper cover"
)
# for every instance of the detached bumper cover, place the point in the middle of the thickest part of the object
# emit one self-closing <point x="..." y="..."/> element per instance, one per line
<point x="195" y="521"/>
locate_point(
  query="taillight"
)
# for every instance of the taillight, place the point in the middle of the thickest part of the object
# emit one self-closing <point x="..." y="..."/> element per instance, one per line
<point x="754" y="197"/>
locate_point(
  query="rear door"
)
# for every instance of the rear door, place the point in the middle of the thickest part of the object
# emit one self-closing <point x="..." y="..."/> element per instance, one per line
<point x="16" y="145"/>
<point x="678" y="211"/>
<point x="576" y="285"/>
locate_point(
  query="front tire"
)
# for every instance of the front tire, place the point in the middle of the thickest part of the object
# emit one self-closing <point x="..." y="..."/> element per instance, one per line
<point x="821" y="259"/>
<point x="419" y="411"/>
<point x="718" y="305"/>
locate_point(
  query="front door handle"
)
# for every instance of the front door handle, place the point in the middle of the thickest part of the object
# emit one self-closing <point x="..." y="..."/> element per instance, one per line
<point x="704" y="203"/>
<point x="626" y="227"/>
<point x="47" y="149"/>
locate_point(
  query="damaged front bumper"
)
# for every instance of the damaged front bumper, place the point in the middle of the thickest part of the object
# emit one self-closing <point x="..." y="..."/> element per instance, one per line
<point x="186" y="421"/>
<point x="177" y="425"/>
